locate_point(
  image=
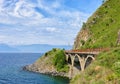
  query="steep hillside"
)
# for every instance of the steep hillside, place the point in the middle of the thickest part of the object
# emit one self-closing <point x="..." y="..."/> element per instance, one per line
<point x="101" y="29"/>
<point x="104" y="70"/>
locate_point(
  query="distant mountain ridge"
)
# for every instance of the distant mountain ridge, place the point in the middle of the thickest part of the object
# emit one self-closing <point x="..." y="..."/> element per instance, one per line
<point x="33" y="48"/>
<point x="6" y="48"/>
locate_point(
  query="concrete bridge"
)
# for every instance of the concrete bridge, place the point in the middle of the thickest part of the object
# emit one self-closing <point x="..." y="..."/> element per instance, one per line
<point x="81" y="58"/>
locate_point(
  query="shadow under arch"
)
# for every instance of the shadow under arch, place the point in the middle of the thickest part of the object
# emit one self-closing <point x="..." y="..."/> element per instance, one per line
<point x="88" y="61"/>
<point x="69" y="60"/>
<point x="77" y="62"/>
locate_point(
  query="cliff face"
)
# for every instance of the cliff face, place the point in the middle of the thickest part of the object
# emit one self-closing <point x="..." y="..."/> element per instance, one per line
<point x="101" y="29"/>
<point x="81" y="38"/>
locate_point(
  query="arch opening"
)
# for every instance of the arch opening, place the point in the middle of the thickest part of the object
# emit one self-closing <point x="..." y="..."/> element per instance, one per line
<point x="77" y="63"/>
<point x="88" y="61"/>
<point x="69" y="60"/>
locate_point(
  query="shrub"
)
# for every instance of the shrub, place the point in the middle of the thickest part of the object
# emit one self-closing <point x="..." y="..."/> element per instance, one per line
<point x="111" y="77"/>
<point x="59" y="61"/>
<point x="54" y="49"/>
<point x="116" y="68"/>
<point x="82" y="42"/>
<point x="46" y="54"/>
<point x="84" y="25"/>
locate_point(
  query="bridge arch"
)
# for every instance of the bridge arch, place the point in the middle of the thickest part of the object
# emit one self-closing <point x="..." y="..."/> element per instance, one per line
<point x="88" y="60"/>
<point x="76" y="61"/>
<point x="69" y="59"/>
<point x="79" y="60"/>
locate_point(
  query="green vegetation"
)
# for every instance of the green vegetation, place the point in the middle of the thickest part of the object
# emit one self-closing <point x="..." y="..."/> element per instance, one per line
<point x="84" y="25"/>
<point x="111" y="60"/>
<point x="104" y="70"/>
<point x="59" y="61"/>
<point x="103" y="26"/>
<point x="55" y="58"/>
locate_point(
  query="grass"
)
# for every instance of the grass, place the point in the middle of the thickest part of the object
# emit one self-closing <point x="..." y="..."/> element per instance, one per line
<point x="104" y="70"/>
<point x="55" y="58"/>
<point x="103" y="26"/>
<point x="111" y="60"/>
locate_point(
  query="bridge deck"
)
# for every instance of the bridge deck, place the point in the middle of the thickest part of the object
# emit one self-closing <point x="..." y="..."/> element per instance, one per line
<point x="88" y="51"/>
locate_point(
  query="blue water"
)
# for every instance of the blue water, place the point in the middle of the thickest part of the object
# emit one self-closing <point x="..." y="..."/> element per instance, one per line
<point x="11" y="70"/>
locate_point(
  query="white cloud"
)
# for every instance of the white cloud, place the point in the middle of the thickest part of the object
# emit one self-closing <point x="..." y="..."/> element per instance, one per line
<point x="56" y="4"/>
<point x="24" y="9"/>
<point x="49" y="29"/>
<point x="1" y="1"/>
<point x="2" y="37"/>
<point x="25" y="25"/>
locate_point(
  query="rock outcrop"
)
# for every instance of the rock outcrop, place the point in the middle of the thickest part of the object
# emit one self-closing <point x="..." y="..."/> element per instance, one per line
<point x="45" y="65"/>
<point x="81" y="38"/>
<point x="44" y="70"/>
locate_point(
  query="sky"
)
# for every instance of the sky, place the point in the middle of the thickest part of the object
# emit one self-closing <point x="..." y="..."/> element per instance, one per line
<point x="54" y="22"/>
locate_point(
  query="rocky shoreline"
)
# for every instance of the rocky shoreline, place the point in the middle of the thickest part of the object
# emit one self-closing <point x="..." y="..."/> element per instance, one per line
<point x="45" y="65"/>
<point x="53" y="72"/>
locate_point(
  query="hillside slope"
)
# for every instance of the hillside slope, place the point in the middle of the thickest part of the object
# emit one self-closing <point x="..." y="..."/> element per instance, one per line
<point x="101" y="29"/>
<point x="104" y="70"/>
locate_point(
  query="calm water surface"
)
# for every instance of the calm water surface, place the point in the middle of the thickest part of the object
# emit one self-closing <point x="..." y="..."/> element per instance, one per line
<point x="11" y="70"/>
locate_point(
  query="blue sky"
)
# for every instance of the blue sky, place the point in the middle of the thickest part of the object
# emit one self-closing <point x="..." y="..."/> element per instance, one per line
<point x="55" y="22"/>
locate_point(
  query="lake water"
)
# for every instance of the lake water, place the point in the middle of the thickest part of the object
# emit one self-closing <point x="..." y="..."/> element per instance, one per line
<point x="11" y="70"/>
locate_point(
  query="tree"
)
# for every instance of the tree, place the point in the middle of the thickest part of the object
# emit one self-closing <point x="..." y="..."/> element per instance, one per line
<point x="84" y="25"/>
